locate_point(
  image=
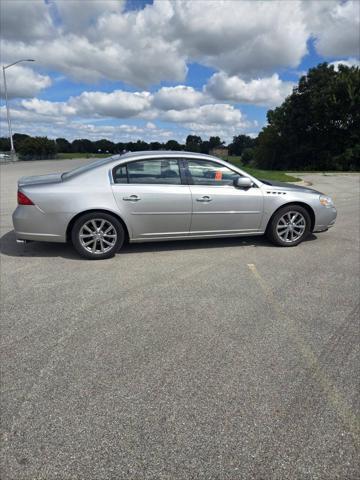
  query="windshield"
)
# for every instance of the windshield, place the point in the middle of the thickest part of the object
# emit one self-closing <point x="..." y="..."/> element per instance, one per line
<point x="85" y="168"/>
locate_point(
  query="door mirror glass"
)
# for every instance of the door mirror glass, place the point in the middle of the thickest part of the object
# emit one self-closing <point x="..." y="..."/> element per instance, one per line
<point x="243" y="182"/>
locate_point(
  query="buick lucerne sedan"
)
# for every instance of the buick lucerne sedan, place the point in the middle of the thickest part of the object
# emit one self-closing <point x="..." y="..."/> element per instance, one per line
<point x="152" y="196"/>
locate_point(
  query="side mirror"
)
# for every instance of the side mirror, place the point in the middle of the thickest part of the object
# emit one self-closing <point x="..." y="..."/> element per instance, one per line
<point x="243" y="182"/>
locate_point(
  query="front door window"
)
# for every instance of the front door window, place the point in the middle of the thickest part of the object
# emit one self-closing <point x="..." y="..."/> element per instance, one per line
<point x="210" y="173"/>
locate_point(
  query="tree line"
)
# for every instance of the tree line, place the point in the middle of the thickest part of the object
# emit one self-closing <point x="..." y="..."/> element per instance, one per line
<point x="29" y="147"/>
<point x="317" y="127"/>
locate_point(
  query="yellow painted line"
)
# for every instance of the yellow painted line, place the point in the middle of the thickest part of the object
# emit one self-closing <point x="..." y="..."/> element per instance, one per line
<point x="334" y="397"/>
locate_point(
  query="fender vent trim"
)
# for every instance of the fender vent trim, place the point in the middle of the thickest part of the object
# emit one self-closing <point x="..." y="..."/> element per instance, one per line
<point x="276" y="193"/>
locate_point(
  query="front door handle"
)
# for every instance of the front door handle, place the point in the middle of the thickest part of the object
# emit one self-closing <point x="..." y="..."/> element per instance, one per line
<point x="132" y="198"/>
<point x="205" y="199"/>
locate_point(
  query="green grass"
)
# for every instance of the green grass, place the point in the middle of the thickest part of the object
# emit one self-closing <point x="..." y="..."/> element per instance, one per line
<point x="64" y="156"/>
<point x="276" y="175"/>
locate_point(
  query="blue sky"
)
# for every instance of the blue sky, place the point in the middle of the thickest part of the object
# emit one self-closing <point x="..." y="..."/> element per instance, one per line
<point x="133" y="69"/>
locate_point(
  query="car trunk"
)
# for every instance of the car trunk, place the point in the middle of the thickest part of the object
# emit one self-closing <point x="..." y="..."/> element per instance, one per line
<point x="39" y="179"/>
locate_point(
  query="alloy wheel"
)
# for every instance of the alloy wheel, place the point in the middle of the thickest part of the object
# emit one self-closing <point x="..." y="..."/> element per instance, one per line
<point x="98" y="236"/>
<point x="291" y="226"/>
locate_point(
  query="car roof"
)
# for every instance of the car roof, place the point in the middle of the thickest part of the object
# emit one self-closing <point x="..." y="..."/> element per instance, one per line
<point x="152" y="153"/>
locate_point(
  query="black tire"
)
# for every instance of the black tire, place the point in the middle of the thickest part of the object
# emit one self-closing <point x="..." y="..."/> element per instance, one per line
<point x="276" y="222"/>
<point x="116" y="235"/>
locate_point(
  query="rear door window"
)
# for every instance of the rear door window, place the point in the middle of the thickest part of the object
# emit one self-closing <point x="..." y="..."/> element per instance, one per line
<point x="156" y="171"/>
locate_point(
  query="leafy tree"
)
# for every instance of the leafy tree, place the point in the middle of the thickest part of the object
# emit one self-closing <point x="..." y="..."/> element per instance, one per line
<point x="83" y="145"/>
<point x="317" y="126"/>
<point x="247" y="156"/>
<point x="4" y="144"/>
<point x="18" y="138"/>
<point x="269" y="150"/>
<point x="173" y="145"/>
<point x="215" y="142"/>
<point x="37" y="148"/>
<point x="63" y="145"/>
<point x="120" y="147"/>
<point x="139" y="146"/>
<point x="205" y="147"/>
<point x="239" y="143"/>
<point x="155" y="146"/>
<point x="193" y="143"/>
<point x="104" y="146"/>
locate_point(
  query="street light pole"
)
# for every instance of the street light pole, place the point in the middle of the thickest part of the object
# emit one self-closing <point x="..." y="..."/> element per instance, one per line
<point x="12" y="149"/>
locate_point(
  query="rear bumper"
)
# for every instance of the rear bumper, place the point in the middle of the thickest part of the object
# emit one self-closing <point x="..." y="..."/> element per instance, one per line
<point x="31" y="223"/>
<point x="325" y="219"/>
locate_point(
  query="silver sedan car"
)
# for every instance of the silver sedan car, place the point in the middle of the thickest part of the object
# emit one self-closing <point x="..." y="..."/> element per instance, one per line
<point x="152" y="196"/>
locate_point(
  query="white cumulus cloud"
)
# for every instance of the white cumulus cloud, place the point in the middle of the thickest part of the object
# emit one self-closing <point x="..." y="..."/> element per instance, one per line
<point x="23" y="82"/>
<point x="77" y="16"/>
<point x="335" y="26"/>
<point x="89" y="40"/>
<point x="268" y="91"/>
<point x="177" y="98"/>
<point x="215" y="114"/>
<point x="117" y="104"/>
<point x="24" y="20"/>
<point x="45" y="107"/>
<point x="240" y="37"/>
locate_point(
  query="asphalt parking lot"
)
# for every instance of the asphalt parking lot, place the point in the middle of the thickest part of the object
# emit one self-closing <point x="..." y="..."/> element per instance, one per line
<point x="212" y="359"/>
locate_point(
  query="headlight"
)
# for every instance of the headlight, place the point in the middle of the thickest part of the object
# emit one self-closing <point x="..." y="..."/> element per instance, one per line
<point x="326" y="201"/>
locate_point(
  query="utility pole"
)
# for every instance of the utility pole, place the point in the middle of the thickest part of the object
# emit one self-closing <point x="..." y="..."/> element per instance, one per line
<point x="12" y="148"/>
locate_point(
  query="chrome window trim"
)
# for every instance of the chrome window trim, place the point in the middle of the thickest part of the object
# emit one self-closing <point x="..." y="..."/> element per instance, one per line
<point x="179" y="155"/>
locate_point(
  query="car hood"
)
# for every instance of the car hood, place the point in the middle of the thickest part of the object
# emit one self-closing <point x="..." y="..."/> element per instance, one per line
<point x="289" y="186"/>
<point x="38" y="179"/>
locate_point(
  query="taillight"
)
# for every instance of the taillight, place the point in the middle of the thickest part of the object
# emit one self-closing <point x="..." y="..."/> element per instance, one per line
<point x="23" y="199"/>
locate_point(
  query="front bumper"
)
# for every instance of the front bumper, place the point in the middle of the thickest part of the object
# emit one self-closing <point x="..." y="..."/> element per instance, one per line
<point x="324" y="219"/>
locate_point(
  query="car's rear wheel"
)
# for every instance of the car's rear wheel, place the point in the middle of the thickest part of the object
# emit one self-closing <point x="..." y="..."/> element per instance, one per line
<point x="97" y="235"/>
<point x="289" y="226"/>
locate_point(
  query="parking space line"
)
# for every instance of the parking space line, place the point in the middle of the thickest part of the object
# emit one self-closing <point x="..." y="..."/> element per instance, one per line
<point x="334" y="397"/>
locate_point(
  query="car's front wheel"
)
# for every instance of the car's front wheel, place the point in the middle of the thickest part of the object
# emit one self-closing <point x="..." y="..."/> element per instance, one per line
<point x="97" y="235"/>
<point x="289" y="226"/>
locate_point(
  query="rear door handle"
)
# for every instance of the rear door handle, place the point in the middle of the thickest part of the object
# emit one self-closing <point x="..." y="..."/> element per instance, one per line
<point x="205" y="199"/>
<point x="132" y="198"/>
